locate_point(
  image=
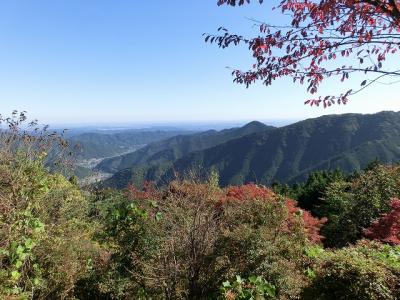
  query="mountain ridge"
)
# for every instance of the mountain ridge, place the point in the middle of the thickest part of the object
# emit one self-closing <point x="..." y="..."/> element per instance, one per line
<point x="286" y="154"/>
<point x="177" y="146"/>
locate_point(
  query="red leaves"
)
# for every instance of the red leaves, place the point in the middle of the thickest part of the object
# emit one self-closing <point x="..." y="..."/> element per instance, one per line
<point x="243" y="193"/>
<point x="234" y="2"/>
<point x="319" y="32"/>
<point x="148" y="192"/>
<point x="247" y="192"/>
<point x="387" y="227"/>
<point x="312" y="225"/>
<point x="250" y="192"/>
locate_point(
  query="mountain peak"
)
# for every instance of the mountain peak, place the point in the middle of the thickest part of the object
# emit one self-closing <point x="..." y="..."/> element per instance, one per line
<point x="255" y="124"/>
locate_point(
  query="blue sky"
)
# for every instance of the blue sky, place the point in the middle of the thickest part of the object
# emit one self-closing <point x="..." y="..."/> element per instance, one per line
<point x="75" y="61"/>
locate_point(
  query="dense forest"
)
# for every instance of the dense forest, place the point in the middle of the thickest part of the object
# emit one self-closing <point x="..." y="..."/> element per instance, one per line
<point x="264" y="154"/>
<point x="335" y="236"/>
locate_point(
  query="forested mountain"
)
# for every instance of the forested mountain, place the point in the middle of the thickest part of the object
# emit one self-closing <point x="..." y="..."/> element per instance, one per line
<point x="99" y="145"/>
<point x="167" y="151"/>
<point x="288" y="153"/>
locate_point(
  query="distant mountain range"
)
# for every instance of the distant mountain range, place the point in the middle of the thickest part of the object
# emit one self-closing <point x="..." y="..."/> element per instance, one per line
<point x="264" y="154"/>
<point x="112" y="143"/>
<point x="169" y="150"/>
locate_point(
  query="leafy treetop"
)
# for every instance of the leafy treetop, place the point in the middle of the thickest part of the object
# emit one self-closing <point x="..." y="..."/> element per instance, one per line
<point x="324" y="39"/>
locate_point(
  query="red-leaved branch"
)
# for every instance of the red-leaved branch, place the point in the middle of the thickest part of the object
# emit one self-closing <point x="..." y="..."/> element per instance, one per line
<point x="323" y="39"/>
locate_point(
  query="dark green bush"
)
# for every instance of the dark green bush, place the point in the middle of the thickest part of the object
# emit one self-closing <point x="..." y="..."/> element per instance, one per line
<point x="351" y="206"/>
<point x="367" y="271"/>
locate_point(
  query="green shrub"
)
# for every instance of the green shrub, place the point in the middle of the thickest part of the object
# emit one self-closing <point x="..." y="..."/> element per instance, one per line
<point x="253" y="288"/>
<point x="128" y="240"/>
<point x="159" y="247"/>
<point x="352" y="206"/>
<point x="255" y="240"/>
<point x="45" y="234"/>
<point x="366" y="271"/>
<point x="46" y="237"/>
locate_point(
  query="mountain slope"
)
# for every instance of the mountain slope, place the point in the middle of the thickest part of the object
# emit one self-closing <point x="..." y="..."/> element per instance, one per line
<point x="99" y="145"/>
<point x="287" y="154"/>
<point x="167" y="151"/>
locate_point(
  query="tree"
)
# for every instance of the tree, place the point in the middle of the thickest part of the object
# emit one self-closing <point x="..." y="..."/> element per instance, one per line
<point x="387" y="227"/>
<point x="352" y="206"/>
<point x="324" y="39"/>
<point x="185" y="241"/>
<point x="309" y="196"/>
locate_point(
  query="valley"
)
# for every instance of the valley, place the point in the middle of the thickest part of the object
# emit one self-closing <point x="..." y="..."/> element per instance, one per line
<point x="260" y="153"/>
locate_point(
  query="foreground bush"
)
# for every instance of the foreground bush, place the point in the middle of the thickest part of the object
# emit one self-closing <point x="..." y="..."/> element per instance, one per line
<point x="367" y="271"/>
<point x="45" y="237"/>
<point x="265" y="235"/>
<point x="185" y="241"/>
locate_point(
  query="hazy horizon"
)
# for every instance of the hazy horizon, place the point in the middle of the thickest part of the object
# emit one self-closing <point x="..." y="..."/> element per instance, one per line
<point x="160" y="123"/>
<point x="171" y="125"/>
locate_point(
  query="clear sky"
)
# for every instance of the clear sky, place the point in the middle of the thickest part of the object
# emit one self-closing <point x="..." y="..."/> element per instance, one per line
<point x="87" y="61"/>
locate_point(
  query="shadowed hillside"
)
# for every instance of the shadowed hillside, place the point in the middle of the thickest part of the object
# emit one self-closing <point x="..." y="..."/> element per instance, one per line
<point x="285" y="154"/>
<point x="175" y="147"/>
<point x="100" y="145"/>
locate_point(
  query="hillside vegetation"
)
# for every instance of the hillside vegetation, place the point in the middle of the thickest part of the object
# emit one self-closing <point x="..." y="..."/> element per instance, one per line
<point x="193" y="239"/>
<point x="286" y="154"/>
<point x="149" y="162"/>
<point x="101" y="145"/>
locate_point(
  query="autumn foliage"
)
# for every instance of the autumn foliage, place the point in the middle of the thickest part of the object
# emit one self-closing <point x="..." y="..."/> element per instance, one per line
<point x="251" y="191"/>
<point x="190" y="239"/>
<point x="387" y="227"/>
<point x="322" y="39"/>
<point x="247" y="192"/>
<point x="148" y="191"/>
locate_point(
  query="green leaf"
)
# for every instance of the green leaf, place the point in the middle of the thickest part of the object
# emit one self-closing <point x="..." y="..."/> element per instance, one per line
<point x="18" y="264"/>
<point x="36" y="281"/>
<point x="15" y="275"/>
<point x="271" y="290"/>
<point x="239" y="279"/>
<point x="158" y="216"/>
<point x="310" y="273"/>
<point x="29" y="243"/>
<point x="20" y="249"/>
<point x="226" y="284"/>
<point x="253" y="279"/>
<point x="4" y="252"/>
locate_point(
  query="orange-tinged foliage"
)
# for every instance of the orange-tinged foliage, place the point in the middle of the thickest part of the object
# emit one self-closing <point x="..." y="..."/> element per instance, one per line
<point x="247" y="192"/>
<point x="148" y="191"/>
<point x="251" y="191"/>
